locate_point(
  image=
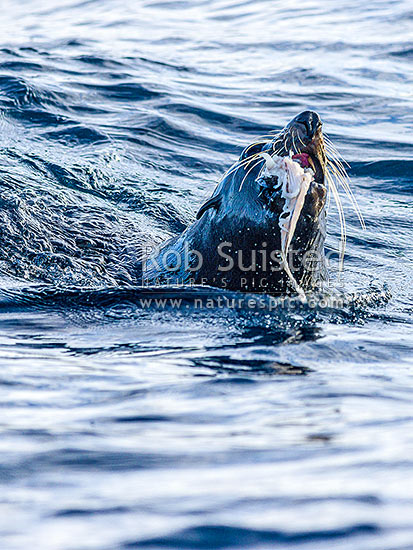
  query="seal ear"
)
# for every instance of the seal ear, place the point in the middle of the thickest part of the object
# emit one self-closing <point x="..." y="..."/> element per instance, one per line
<point x="213" y="202"/>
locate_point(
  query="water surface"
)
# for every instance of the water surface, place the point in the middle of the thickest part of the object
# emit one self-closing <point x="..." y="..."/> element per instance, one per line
<point x="132" y="427"/>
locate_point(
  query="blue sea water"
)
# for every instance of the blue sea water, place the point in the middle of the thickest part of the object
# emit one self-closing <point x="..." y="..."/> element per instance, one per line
<point x="225" y="428"/>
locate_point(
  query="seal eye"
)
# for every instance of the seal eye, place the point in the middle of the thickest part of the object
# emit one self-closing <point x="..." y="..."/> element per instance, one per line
<point x="251" y="150"/>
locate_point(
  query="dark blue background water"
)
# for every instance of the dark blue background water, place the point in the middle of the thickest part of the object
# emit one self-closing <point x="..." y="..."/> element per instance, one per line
<point x="125" y="427"/>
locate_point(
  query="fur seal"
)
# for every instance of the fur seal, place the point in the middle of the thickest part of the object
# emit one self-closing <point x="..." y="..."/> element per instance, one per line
<point x="263" y="229"/>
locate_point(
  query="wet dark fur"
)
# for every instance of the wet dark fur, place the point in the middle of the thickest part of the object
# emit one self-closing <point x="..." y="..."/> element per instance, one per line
<point x="249" y="218"/>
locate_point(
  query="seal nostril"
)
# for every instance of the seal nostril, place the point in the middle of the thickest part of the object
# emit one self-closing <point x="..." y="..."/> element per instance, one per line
<point x="310" y="121"/>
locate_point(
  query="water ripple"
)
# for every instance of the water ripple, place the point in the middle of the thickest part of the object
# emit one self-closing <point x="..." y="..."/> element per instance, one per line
<point x="133" y="426"/>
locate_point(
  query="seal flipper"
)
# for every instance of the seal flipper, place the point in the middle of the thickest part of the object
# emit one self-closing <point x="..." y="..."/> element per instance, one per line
<point x="213" y="202"/>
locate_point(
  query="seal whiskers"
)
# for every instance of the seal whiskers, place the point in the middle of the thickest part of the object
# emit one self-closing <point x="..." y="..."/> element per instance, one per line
<point x="246" y="175"/>
<point x="343" y="179"/>
<point x="343" y="228"/>
<point x="340" y="173"/>
<point x="273" y="200"/>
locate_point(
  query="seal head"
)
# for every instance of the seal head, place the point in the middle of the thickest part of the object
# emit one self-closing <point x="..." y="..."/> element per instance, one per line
<point x="263" y="229"/>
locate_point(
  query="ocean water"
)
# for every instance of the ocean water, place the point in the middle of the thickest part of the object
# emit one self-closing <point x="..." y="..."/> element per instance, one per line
<point x="126" y="426"/>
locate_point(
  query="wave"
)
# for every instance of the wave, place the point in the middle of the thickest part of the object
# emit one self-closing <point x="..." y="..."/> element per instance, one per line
<point x="226" y="536"/>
